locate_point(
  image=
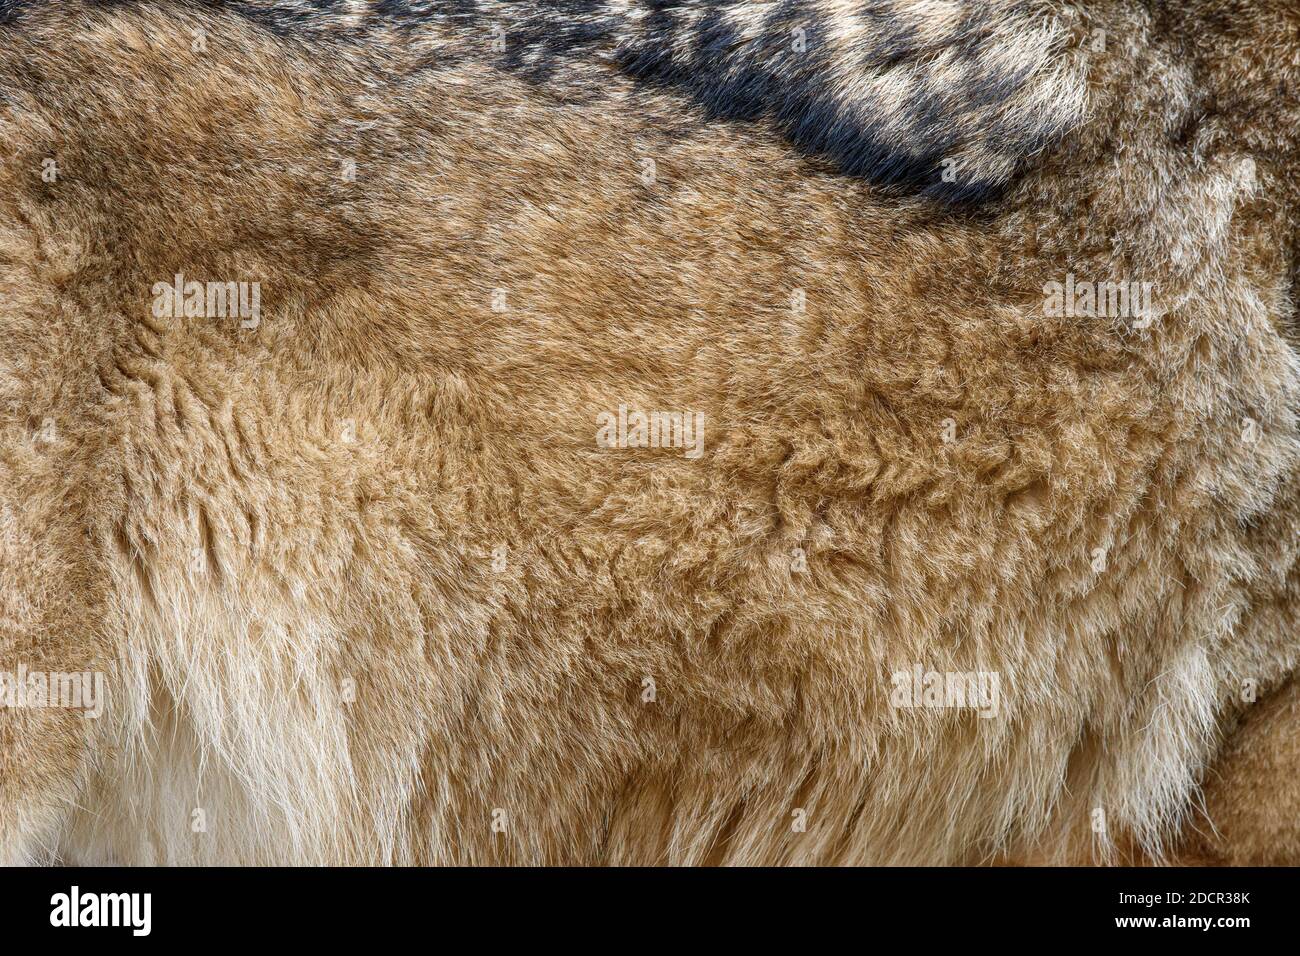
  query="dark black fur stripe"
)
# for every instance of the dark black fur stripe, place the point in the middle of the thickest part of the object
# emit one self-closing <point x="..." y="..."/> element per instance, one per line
<point x="758" y="80"/>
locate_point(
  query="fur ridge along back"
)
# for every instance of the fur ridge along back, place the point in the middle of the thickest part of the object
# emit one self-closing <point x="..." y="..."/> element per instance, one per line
<point x="893" y="90"/>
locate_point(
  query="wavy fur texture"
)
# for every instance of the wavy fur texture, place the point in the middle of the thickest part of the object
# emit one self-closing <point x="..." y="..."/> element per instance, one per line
<point x="365" y="584"/>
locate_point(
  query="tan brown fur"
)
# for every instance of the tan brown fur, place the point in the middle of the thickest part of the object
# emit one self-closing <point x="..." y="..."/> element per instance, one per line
<point x="1252" y="793"/>
<point x="237" y="524"/>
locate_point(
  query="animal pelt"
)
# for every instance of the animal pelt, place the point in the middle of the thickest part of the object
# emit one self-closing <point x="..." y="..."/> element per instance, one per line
<point x="374" y="561"/>
<point x="1252" y="792"/>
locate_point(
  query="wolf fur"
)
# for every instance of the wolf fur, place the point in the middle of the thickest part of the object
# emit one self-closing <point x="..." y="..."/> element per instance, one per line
<point x="367" y="588"/>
